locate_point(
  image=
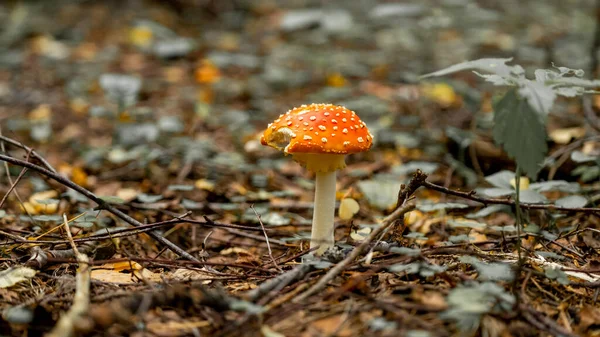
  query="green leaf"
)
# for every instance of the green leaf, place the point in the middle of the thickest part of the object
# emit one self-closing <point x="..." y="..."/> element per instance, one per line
<point x="555" y="185"/>
<point x="149" y="198"/>
<point x="493" y="271"/>
<point x="466" y="224"/>
<point x="112" y="199"/>
<point x="533" y="197"/>
<point x="572" y="201"/>
<point x="539" y="96"/>
<point x="491" y="65"/>
<point x="183" y="188"/>
<point x="406" y="251"/>
<point x="495" y="192"/>
<point x="557" y="274"/>
<point x="580" y="157"/>
<point x="488" y="211"/>
<point x="501" y="179"/>
<point x="440" y="206"/>
<point x="520" y="131"/>
<point x="415" y="235"/>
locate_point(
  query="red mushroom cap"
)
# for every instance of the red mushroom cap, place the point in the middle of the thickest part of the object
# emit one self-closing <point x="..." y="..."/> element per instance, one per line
<point x="318" y="129"/>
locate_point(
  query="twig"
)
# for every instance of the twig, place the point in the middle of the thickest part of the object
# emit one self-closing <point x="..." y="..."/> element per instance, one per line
<point x="27" y="149"/>
<point x="588" y="110"/>
<point x="418" y="180"/>
<point x="471" y="196"/>
<point x="12" y="186"/>
<point x="333" y="272"/>
<point x="67" y="323"/>
<point x="101" y="203"/>
<point x="277" y="283"/>
<point x="266" y="239"/>
<point x="543" y="323"/>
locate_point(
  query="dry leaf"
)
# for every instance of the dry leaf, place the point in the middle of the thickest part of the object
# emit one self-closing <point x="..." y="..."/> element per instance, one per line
<point x="183" y="274"/>
<point x="12" y="276"/>
<point x="174" y="328"/>
<point x="564" y="136"/>
<point x="360" y="234"/>
<point x="348" y="207"/>
<point x="114" y="273"/>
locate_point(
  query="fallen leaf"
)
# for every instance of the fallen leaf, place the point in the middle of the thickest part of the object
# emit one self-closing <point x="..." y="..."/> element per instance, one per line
<point x="12" y="276"/>
<point x="564" y="136"/>
<point x="348" y="207"/>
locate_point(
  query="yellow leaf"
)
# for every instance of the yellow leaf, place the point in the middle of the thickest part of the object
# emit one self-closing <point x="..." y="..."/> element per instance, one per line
<point x="207" y="72"/>
<point x="79" y="106"/>
<point x="12" y="276"/>
<point x="41" y="113"/>
<point x="39" y="206"/>
<point x="348" y="207"/>
<point x="523" y="183"/>
<point x="564" y="136"/>
<point x="127" y="194"/>
<point x="113" y="272"/>
<point x="204" y="184"/>
<point x="28" y="208"/>
<point x="336" y="80"/>
<point x="235" y="250"/>
<point x="441" y="93"/>
<point x="79" y="176"/>
<point x="360" y="234"/>
<point x="141" y="36"/>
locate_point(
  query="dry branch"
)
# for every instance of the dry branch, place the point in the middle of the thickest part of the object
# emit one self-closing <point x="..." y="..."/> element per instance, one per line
<point x="333" y="272"/>
<point x="81" y="302"/>
<point x="101" y="203"/>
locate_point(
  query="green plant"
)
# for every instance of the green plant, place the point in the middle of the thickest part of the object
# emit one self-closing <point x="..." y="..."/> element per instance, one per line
<point x="520" y="115"/>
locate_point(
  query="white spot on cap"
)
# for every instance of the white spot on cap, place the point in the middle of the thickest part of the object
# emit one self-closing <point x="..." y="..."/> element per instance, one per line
<point x="324" y="140"/>
<point x="312" y="118"/>
<point x="345" y="130"/>
<point x="333" y="121"/>
<point x="360" y="139"/>
<point x="326" y="113"/>
<point x="344" y="120"/>
<point x="305" y="123"/>
<point x="307" y="137"/>
<point x="289" y="123"/>
<point x="335" y="128"/>
<point x="322" y="128"/>
<point x="300" y="118"/>
<point x="346" y="143"/>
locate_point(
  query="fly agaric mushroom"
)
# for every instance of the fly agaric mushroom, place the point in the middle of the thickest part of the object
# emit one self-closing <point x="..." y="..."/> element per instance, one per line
<point x="319" y="136"/>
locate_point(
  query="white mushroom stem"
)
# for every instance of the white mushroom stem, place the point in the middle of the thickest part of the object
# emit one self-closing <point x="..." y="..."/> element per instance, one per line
<point x="322" y="226"/>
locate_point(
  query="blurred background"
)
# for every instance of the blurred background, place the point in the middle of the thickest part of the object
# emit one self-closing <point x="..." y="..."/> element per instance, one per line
<point x="152" y="91"/>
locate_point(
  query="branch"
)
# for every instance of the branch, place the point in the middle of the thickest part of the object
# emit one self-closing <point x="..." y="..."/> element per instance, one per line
<point x="65" y="327"/>
<point x="101" y="203"/>
<point x="471" y="196"/>
<point x="333" y="272"/>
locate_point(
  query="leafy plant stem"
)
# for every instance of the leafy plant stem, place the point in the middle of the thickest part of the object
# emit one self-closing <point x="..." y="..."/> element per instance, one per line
<point x="518" y="225"/>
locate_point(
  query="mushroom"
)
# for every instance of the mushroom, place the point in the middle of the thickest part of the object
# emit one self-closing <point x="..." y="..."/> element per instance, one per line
<point x="319" y="136"/>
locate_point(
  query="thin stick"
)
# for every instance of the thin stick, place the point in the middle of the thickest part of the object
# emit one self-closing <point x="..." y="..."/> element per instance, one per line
<point x="333" y="272"/>
<point x="266" y="239"/>
<point x="101" y="203"/>
<point x="28" y="149"/>
<point x="67" y="323"/>
<point x="471" y="196"/>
